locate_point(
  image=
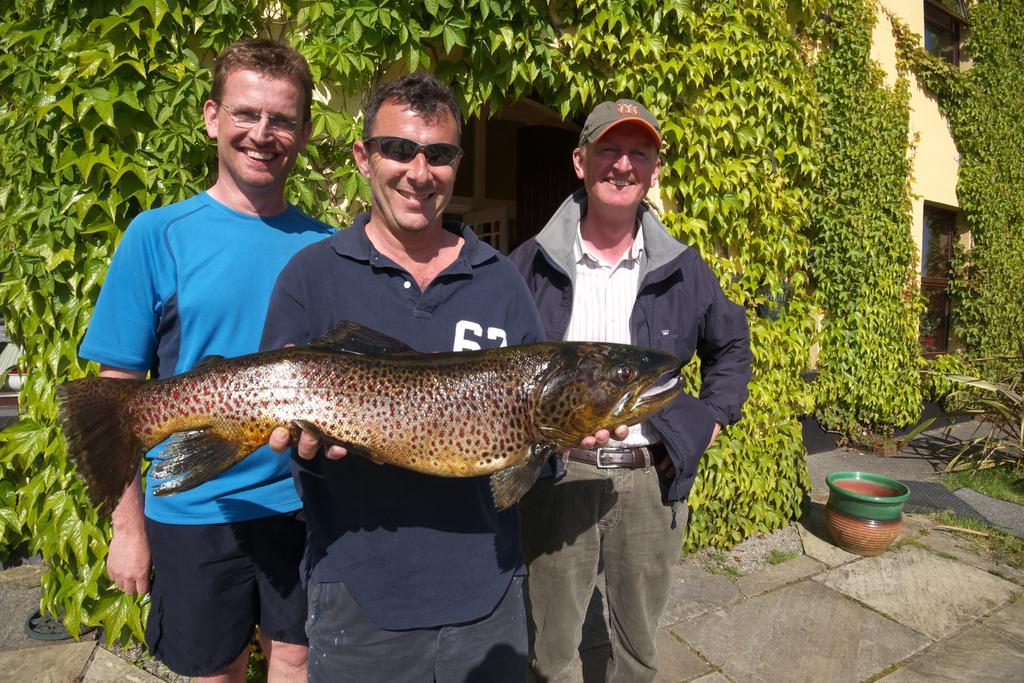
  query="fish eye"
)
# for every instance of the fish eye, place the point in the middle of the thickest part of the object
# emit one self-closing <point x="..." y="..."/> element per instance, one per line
<point x="626" y="373"/>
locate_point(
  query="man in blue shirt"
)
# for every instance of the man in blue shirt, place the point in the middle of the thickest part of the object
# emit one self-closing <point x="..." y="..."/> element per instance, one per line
<point x="412" y="577"/>
<point x="190" y="280"/>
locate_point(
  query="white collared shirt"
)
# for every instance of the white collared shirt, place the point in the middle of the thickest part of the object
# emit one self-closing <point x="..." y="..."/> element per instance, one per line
<point x="602" y="302"/>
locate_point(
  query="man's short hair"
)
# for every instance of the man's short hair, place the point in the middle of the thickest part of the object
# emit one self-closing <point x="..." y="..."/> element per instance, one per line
<point x="428" y="97"/>
<point x="269" y="57"/>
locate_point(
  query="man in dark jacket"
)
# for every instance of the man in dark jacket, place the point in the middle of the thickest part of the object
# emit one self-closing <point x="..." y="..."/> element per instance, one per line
<point x="605" y="269"/>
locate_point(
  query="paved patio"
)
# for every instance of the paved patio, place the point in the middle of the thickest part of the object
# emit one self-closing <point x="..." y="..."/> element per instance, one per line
<point x="932" y="608"/>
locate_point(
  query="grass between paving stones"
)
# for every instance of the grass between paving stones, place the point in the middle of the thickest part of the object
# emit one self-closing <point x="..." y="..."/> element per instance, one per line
<point x="1007" y="547"/>
<point x="885" y="672"/>
<point x="1004" y="483"/>
<point x="778" y="556"/>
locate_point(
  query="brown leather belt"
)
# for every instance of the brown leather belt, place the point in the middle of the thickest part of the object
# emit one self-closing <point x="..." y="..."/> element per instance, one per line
<point x="628" y="458"/>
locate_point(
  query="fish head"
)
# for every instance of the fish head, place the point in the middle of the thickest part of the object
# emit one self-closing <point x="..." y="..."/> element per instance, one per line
<point x="590" y="386"/>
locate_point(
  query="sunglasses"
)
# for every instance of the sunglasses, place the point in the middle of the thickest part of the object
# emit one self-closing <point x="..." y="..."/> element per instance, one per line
<point x="404" y="150"/>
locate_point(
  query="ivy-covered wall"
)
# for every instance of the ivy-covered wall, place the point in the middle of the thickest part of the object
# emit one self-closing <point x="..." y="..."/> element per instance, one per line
<point x="863" y="257"/>
<point x="983" y="106"/>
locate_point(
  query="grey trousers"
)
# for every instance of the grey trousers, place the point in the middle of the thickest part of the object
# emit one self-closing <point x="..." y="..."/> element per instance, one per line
<point x="345" y="646"/>
<point x="567" y="526"/>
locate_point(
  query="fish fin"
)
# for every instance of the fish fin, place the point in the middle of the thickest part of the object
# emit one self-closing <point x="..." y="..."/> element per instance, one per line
<point x="207" y="361"/>
<point x="99" y="436"/>
<point x="194" y="457"/>
<point x="355" y="338"/>
<point x="511" y="484"/>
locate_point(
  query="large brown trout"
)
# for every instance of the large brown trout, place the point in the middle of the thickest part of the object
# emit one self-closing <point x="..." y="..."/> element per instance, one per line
<point x="499" y="412"/>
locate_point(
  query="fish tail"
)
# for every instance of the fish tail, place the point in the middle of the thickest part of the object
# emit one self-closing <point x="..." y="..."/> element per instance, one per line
<point x="99" y="435"/>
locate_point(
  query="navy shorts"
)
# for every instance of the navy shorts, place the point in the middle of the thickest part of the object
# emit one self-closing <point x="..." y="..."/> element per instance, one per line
<point x="213" y="583"/>
<point x="345" y="646"/>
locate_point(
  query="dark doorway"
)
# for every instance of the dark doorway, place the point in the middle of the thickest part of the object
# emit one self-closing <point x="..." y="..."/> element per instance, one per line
<point x="544" y="177"/>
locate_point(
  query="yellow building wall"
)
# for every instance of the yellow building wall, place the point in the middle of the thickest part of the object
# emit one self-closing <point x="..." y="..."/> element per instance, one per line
<point x="935" y="162"/>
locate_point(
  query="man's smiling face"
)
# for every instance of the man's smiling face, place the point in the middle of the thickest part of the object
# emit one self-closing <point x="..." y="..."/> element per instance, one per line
<point x="408" y="196"/>
<point x="620" y="167"/>
<point x="256" y="160"/>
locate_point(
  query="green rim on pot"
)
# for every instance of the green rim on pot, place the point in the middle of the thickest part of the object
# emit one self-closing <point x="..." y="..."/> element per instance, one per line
<point x="862" y="505"/>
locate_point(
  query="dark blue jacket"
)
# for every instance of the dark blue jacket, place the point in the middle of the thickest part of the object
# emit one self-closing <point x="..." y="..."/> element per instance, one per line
<point x="680" y="308"/>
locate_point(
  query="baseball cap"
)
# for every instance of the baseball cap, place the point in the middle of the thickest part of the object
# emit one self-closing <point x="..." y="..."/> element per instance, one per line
<point x="610" y="114"/>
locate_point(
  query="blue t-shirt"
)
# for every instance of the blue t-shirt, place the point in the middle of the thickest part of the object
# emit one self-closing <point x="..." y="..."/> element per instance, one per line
<point x="191" y="280"/>
<point x="414" y="550"/>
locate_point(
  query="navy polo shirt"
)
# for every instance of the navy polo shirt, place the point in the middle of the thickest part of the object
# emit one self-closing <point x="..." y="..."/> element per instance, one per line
<point x="414" y="550"/>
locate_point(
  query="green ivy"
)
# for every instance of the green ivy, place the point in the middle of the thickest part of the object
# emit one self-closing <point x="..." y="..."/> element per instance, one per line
<point x="936" y="385"/>
<point x="983" y="105"/>
<point x="863" y="257"/>
<point x="739" y="160"/>
<point x="100" y="119"/>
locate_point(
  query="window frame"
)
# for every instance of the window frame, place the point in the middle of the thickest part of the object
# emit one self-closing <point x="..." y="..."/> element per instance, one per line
<point x="940" y="18"/>
<point x="948" y="220"/>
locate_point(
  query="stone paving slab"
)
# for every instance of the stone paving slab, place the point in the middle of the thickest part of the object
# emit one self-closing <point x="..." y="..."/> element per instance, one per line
<point x="965" y="548"/>
<point x="1001" y="513"/>
<point x="822" y="549"/>
<point x="22" y="576"/>
<point x="50" y="664"/>
<point x="914" y="526"/>
<point x="779" y="575"/>
<point x="933" y="595"/>
<point x="978" y="655"/>
<point x="676" y="661"/>
<point x="16" y="604"/>
<point x="106" y="667"/>
<point x="1009" y="620"/>
<point x="715" y="677"/>
<point x="817" y="541"/>
<point x="803" y="632"/>
<point x="694" y="592"/>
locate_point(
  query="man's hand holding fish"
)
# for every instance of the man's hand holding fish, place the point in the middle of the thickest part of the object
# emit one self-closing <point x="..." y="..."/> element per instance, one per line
<point x="308" y="444"/>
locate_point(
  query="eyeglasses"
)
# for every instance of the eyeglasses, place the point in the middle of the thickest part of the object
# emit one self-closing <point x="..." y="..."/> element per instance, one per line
<point x="247" y="118"/>
<point x="404" y="150"/>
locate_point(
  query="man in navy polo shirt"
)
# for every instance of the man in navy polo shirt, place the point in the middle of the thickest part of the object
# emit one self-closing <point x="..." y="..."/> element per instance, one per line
<point x="190" y="280"/>
<point x="411" y="577"/>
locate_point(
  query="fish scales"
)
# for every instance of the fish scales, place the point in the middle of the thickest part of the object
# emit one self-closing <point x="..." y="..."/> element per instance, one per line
<point x="499" y="412"/>
<point x="361" y="401"/>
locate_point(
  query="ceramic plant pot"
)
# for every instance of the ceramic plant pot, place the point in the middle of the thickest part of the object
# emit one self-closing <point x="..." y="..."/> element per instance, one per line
<point x="15" y="380"/>
<point x="865" y="511"/>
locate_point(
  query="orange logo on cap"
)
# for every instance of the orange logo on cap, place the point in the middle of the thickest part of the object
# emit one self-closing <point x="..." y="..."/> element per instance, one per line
<point x="624" y="108"/>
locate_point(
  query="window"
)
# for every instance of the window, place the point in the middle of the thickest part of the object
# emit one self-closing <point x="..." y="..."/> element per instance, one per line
<point x="943" y="28"/>
<point x="936" y="254"/>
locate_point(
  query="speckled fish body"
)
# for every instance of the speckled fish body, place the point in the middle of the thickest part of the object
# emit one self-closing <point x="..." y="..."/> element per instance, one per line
<point x="496" y="412"/>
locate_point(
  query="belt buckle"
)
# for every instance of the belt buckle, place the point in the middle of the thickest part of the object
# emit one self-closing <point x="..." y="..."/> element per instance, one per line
<point x="599" y="452"/>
